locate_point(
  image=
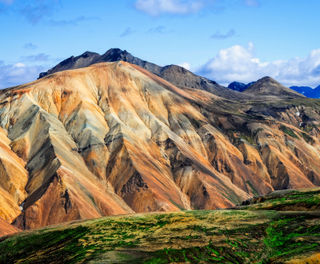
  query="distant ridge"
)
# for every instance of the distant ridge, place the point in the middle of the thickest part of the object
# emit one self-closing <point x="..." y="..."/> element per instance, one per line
<point x="307" y="91"/>
<point x="265" y="86"/>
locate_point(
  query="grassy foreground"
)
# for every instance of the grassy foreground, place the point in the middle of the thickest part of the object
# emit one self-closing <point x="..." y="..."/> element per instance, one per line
<point x="280" y="228"/>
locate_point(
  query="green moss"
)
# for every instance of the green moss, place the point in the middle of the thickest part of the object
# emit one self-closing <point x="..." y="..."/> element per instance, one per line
<point x="254" y="191"/>
<point x="206" y="254"/>
<point x="288" y="131"/>
<point x="54" y="245"/>
<point x="307" y="138"/>
<point x="249" y="139"/>
<point x="285" y="237"/>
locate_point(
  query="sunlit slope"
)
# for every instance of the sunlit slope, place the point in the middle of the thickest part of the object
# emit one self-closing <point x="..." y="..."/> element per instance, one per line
<point x="114" y="139"/>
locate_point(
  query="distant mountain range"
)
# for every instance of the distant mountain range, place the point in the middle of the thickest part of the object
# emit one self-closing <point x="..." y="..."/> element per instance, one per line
<point x="307" y="91"/>
<point x="304" y="90"/>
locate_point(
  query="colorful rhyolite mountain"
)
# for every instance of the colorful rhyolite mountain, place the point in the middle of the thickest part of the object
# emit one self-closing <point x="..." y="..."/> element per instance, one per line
<point x="114" y="138"/>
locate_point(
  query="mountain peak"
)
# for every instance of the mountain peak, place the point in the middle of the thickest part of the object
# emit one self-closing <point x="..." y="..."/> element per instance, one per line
<point x="116" y="52"/>
<point x="268" y="86"/>
<point x="266" y="79"/>
<point x="175" y="74"/>
<point x="88" y="53"/>
<point x="238" y="86"/>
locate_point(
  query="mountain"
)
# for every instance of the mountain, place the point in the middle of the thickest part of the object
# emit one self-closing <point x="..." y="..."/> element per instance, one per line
<point x="307" y="91"/>
<point x="239" y="86"/>
<point x="304" y="90"/>
<point x="267" y="86"/>
<point x="176" y="75"/>
<point x="282" y="227"/>
<point x="113" y="138"/>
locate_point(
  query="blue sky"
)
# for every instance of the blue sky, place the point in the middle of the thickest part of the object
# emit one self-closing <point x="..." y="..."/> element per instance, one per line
<point x="225" y="40"/>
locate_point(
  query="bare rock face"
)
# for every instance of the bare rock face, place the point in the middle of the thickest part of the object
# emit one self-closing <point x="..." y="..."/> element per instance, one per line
<point x="114" y="138"/>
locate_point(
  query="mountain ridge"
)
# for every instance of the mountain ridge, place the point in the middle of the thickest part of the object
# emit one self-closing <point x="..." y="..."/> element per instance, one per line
<point x="175" y="74"/>
<point x="308" y="91"/>
<point x="304" y="90"/>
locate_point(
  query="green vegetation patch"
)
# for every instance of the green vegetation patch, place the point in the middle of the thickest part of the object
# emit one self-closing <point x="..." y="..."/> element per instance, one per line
<point x="288" y="131"/>
<point x="307" y="138"/>
<point x="291" y="235"/>
<point x="45" y="246"/>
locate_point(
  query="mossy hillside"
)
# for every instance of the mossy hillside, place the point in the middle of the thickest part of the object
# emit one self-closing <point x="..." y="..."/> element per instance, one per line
<point x="289" y="200"/>
<point x="222" y="236"/>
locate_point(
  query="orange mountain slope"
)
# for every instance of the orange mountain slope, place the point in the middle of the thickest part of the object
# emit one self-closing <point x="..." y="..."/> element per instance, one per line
<point x="113" y="139"/>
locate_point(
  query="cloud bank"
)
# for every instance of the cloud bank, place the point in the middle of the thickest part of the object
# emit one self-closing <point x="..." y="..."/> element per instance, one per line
<point x="19" y="73"/>
<point x="238" y="63"/>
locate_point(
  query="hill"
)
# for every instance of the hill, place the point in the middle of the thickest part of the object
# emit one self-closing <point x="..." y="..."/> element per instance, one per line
<point x="224" y="236"/>
<point x="270" y="87"/>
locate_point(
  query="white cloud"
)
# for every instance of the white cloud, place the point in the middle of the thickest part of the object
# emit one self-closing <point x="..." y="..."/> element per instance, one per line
<point x="157" y="7"/>
<point x="238" y="63"/>
<point x="185" y="65"/>
<point x="18" y="73"/>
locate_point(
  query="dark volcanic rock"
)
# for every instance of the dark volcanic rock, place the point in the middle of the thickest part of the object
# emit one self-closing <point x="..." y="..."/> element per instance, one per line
<point x="239" y="86"/>
<point x="174" y="74"/>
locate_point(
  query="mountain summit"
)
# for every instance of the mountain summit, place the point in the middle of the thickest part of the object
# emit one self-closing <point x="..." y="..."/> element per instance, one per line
<point x="268" y="86"/>
<point x="174" y="74"/>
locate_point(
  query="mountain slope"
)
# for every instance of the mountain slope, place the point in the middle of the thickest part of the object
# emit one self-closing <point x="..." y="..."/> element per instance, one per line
<point x="223" y="236"/>
<point x="109" y="140"/>
<point x="114" y="138"/>
<point x="6" y="229"/>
